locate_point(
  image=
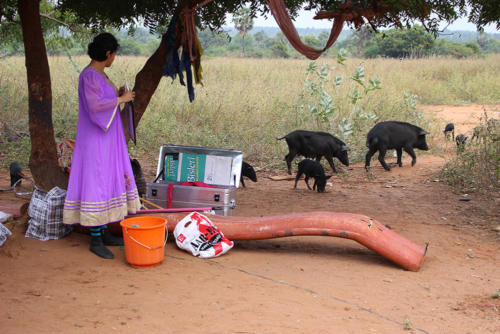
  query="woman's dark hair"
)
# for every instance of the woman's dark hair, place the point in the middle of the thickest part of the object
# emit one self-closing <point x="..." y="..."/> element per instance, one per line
<point x="101" y="44"/>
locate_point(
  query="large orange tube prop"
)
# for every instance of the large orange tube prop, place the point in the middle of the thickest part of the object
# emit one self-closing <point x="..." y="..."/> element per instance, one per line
<point x="362" y="229"/>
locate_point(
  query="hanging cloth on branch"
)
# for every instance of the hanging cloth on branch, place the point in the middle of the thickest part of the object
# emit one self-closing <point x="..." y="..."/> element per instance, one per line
<point x="280" y="13"/>
<point x="192" y="51"/>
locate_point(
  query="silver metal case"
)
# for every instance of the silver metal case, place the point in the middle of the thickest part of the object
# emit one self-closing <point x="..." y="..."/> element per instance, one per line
<point x="221" y="197"/>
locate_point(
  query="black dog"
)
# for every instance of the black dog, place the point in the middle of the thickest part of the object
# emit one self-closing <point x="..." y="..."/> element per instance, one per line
<point x="248" y="171"/>
<point x="311" y="168"/>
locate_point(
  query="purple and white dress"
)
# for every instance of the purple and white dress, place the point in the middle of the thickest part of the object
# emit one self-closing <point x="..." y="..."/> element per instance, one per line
<point x="101" y="185"/>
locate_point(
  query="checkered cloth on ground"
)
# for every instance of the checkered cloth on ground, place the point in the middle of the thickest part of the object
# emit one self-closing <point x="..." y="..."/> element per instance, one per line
<point x="46" y="213"/>
<point x="4" y="234"/>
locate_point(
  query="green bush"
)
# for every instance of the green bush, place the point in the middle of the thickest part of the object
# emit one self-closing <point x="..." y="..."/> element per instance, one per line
<point x="477" y="167"/>
<point x="457" y="50"/>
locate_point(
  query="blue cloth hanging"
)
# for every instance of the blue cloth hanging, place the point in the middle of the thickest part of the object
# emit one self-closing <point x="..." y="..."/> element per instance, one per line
<point x="175" y="66"/>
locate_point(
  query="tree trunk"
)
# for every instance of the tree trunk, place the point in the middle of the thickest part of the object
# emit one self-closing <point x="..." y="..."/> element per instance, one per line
<point x="43" y="159"/>
<point x="148" y="78"/>
<point x="243" y="44"/>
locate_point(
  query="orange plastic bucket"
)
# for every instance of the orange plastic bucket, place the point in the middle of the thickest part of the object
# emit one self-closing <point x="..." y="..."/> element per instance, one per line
<point x="144" y="238"/>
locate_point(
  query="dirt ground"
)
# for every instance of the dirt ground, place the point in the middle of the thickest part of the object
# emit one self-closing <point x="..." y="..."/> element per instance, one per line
<point x="294" y="284"/>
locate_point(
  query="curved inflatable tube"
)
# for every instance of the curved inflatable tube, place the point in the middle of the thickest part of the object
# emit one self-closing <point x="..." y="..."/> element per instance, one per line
<point x="362" y="229"/>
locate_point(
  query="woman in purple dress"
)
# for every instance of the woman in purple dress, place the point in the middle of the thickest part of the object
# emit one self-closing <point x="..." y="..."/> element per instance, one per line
<point x="101" y="185"/>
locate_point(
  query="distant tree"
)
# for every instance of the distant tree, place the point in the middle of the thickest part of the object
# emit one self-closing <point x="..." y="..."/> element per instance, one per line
<point x="398" y="43"/>
<point x="323" y="37"/>
<point x="492" y="46"/>
<point x="488" y="45"/>
<point x="312" y="41"/>
<point x="482" y="40"/>
<point x="474" y="47"/>
<point x="130" y="47"/>
<point x="280" y="49"/>
<point x="259" y="38"/>
<point x="213" y="39"/>
<point x="457" y="50"/>
<point x="363" y="34"/>
<point x="151" y="45"/>
<point x="243" y="22"/>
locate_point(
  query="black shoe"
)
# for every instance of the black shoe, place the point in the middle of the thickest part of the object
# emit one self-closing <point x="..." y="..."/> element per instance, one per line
<point x="97" y="247"/>
<point x="111" y="240"/>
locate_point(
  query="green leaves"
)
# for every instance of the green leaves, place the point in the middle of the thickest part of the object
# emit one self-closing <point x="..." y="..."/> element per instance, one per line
<point x="319" y="104"/>
<point x="355" y="96"/>
<point x="359" y="74"/>
<point x="342" y="56"/>
<point x="410" y="101"/>
<point x="345" y="127"/>
<point x="337" y="81"/>
<point x="311" y="67"/>
<point x="314" y="98"/>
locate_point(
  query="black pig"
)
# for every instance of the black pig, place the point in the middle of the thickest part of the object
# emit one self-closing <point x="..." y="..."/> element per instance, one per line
<point x="394" y="135"/>
<point x="450" y="127"/>
<point x="16" y="173"/>
<point x="311" y="168"/>
<point x="311" y="144"/>
<point x="140" y="181"/>
<point x="460" y="141"/>
<point x="248" y="171"/>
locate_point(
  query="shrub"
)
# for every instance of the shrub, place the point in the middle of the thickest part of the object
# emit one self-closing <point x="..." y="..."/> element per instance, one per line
<point x="477" y="168"/>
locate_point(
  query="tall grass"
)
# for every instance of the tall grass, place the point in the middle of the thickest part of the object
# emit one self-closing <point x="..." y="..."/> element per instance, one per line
<point x="247" y="103"/>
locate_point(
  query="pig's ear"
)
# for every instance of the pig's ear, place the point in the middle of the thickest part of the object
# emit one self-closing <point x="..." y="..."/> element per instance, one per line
<point x="344" y="148"/>
<point x="423" y="133"/>
<point x="327" y="177"/>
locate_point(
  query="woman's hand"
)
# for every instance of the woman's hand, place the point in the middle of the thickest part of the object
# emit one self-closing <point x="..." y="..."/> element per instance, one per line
<point x="126" y="96"/>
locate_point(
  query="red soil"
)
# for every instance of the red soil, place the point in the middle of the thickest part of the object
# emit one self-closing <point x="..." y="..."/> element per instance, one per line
<point x="293" y="285"/>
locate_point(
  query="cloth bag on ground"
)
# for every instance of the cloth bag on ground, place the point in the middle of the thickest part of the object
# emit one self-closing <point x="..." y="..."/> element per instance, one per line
<point x="4" y="233"/>
<point x="197" y="234"/>
<point x="46" y="213"/>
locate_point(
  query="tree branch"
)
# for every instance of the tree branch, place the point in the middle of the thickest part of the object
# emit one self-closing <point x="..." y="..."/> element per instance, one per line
<point x="67" y="25"/>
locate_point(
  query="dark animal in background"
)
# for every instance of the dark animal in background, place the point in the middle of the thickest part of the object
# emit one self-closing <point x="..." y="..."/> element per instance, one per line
<point x="248" y="171"/>
<point x="16" y="173"/>
<point x="450" y="127"/>
<point x="315" y="145"/>
<point x="460" y="140"/>
<point x="140" y="181"/>
<point x="311" y="168"/>
<point x="394" y="135"/>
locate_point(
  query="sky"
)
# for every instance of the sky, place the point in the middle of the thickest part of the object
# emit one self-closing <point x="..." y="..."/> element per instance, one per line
<point x="305" y="20"/>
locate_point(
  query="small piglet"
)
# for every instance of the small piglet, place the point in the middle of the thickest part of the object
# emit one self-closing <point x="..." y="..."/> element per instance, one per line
<point x="315" y="144"/>
<point x="311" y="168"/>
<point x="248" y="171"/>
<point x="460" y="141"/>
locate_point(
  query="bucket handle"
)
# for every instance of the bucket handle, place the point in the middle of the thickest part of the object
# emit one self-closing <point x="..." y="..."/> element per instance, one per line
<point x="146" y="246"/>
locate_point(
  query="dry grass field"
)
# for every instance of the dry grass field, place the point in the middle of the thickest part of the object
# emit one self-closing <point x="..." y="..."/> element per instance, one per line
<point x="247" y="103"/>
